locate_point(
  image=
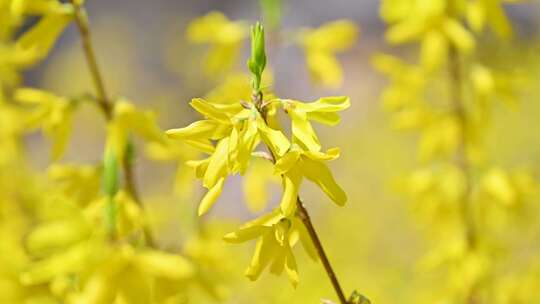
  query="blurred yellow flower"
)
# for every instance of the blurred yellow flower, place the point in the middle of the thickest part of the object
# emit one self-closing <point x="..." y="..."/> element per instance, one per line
<point x="225" y="38"/>
<point x="321" y="46"/>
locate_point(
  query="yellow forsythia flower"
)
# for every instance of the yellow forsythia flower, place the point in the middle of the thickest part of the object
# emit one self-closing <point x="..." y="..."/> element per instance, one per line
<point x="53" y="113"/>
<point x="276" y="235"/>
<point x="225" y="38"/>
<point x="321" y="46"/>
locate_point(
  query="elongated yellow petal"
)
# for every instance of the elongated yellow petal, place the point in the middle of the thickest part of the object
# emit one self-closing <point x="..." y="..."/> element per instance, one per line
<point x="324" y="68"/>
<point x="264" y="252"/>
<point x="286" y="162"/>
<point x="319" y="173"/>
<point x="434" y="49"/>
<point x="459" y="35"/>
<point x="305" y="239"/>
<point x="215" y="28"/>
<point x="53" y="236"/>
<point x="291" y="268"/>
<point x="327" y="118"/>
<point x="217" y="168"/>
<point x="200" y="166"/>
<point x="41" y="37"/>
<point x="203" y="128"/>
<point x="303" y="132"/>
<point x="71" y="260"/>
<point x="291" y="185"/>
<point x="35" y="96"/>
<point x="142" y="123"/>
<point x="267" y="220"/>
<point x="333" y="36"/>
<point x="211" y="196"/>
<point x="165" y="265"/>
<point x="404" y="31"/>
<point x="330" y="154"/>
<point x="325" y="104"/>
<point x="279" y="263"/>
<point x="249" y="139"/>
<point x="276" y="140"/>
<point x="209" y="110"/>
<point x="246" y="234"/>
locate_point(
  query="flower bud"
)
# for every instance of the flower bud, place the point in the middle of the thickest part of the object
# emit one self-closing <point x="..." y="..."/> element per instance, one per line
<point x="257" y="62"/>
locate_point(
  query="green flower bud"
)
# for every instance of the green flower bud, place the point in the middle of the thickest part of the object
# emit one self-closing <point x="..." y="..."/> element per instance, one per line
<point x="257" y="62"/>
<point x="111" y="174"/>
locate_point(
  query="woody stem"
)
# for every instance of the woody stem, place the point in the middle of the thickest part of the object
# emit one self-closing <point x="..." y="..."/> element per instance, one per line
<point x="306" y="219"/>
<point x="104" y="102"/>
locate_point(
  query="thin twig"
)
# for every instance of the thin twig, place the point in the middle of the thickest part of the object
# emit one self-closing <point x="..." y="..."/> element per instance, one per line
<point x="105" y="103"/>
<point x="306" y="219"/>
<point x="81" y="20"/>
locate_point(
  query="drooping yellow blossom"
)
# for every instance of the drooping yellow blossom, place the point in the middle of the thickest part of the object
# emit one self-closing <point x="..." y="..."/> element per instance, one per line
<point x="321" y="46"/>
<point x="277" y="235"/>
<point x="127" y="120"/>
<point x="224" y="37"/>
<point x="297" y="164"/>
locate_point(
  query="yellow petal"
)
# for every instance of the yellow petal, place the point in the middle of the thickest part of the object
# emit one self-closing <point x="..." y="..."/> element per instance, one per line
<point x="325" y="104"/>
<point x="217" y="167"/>
<point x="458" y="35"/>
<point x="319" y="173"/>
<point x="164" y="265"/>
<point x="291" y="185"/>
<point x="333" y="36"/>
<point x="291" y="268"/>
<point x="497" y="183"/>
<point x="264" y="252"/>
<point x="278" y="143"/>
<point x="434" y="50"/>
<point x="324" y="68"/>
<point x="246" y="234"/>
<point x="203" y="128"/>
<point x="211" y="196"/>
<point x="286" y="162"/>
<point x="142" y="123"/>
<point x="209" y="110"/>
<point x="303" y="132"/>
<point x="41" y="37"/>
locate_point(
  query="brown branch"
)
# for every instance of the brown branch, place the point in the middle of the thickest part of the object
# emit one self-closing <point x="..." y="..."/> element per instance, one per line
<point x="306" y="219"/>
<point x="105" y="103"/>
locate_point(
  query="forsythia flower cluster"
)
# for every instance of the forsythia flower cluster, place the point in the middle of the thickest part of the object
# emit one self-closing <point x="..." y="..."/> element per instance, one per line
<point x="467" y="199"/>
<point x="232" y="132"/>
